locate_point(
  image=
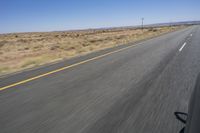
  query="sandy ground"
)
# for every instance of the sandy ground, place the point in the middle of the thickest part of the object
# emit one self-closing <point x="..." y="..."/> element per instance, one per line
<point x="20" y="51"/>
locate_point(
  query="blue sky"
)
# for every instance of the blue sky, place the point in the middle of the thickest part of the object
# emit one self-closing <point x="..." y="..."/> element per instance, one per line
<point x="54" y="15"/>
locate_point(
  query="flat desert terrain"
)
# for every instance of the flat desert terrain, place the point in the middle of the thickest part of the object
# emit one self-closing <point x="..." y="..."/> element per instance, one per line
<point x="19" y="51"/>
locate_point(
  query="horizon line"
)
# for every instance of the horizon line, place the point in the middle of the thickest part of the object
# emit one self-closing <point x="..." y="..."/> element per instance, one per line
<point x="109" y="27"/>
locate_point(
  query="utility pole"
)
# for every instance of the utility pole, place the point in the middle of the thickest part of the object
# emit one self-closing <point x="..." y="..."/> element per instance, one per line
<point x="142" y="24"/>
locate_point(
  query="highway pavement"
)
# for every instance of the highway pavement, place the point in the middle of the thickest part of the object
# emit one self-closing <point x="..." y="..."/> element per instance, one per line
<point x="134" y="88"/>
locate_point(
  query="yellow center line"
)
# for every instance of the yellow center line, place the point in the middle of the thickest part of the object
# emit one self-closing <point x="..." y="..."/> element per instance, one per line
<point x="63" y="68"/>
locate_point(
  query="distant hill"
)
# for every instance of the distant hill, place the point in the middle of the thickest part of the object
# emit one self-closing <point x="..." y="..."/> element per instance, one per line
<point x="174" y="23"/>
<point x="146" y="26"/>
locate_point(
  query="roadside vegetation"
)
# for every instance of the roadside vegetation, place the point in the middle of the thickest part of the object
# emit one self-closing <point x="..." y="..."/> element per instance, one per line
<point x="20" y="51"/>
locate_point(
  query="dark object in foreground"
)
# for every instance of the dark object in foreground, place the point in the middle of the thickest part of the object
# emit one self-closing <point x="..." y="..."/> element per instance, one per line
<point x="181" y="117"/>
<point x="192" y="120"/>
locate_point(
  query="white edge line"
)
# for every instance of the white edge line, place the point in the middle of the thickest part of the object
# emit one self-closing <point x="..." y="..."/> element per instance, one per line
<point x="182" y="47"/>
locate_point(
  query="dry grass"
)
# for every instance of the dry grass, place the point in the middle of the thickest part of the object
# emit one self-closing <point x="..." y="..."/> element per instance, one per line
<point x="25" y="50"/>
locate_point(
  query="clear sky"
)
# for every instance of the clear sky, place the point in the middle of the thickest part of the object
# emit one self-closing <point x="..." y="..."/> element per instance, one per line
<point x="54" y="15"/>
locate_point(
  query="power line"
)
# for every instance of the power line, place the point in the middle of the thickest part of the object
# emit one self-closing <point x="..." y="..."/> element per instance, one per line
<point x="142" y="24"/>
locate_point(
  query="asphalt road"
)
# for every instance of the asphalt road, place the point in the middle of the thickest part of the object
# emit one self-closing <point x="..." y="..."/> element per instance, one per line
<point x="135" y="90"/>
